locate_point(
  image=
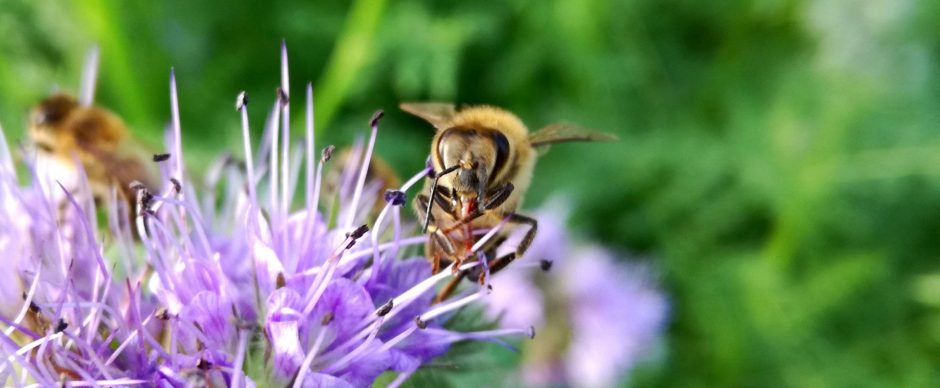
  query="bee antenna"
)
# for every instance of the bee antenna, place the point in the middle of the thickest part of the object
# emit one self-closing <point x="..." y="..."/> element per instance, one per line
<point x="427" y="216"/>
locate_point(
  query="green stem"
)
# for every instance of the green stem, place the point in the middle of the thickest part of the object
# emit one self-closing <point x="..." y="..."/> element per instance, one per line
<point x="351" y="53"/>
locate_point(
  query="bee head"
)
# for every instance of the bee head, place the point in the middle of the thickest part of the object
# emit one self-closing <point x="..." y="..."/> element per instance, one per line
<point x="479" y="154"/>
<point x="53" y="110"/>
<point x="46" y="119"/>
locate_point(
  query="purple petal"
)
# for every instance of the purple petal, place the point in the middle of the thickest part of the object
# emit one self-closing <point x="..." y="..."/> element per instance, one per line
<point x="320" y="380"/>
<point x="343" y="305"/>
<point x="284" y="305"/>
<point x="362" y="372"/>
<point x="285" y="346"/>
<point x="212" y="314"/>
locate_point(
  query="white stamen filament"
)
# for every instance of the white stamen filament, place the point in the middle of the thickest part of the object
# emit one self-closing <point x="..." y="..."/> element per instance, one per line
<point x="309" y="141"/>
<point x="362" y="253"/>
<point x="29" y="347"/>
<point x="96" y="383"/>
<point x="323" y="279"/>
<point x="451" y="337"/>
<point x="200" y="231"/>
<point x="429" y="315"/>
<point x="126" y="342"/>
<point x="177" y="128"/>
<point x="313" y="214"/>
<point x="239" y="358"/>
<point x="90" y="353"/>
<point x="400" y="379"/>
<point x="249" y="160"/>
<point x="377" y="228"/>
<point x="123" y="238"/>
<point x="285" y="152"/>
<point x="364" y="170"/>
<point x="451" y="306"/>
<point x="26" y="303"/>
<point x="273" y="168"/>
<point x="308" y="359"/>
<point x="351" y="356"/>
<point x="94" y="317"/>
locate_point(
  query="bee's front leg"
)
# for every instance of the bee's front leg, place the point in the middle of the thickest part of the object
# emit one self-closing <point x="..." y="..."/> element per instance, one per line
<point x="438" y="242"/>
<point x="497" y="196"/>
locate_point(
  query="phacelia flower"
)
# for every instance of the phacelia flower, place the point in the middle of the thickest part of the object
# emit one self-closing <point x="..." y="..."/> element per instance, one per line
<point x="226" y="278"/>
<point x="598" y="316"/>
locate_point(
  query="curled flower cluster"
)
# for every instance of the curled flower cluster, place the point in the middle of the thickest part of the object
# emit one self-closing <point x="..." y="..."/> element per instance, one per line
<point x="223" y="280"/>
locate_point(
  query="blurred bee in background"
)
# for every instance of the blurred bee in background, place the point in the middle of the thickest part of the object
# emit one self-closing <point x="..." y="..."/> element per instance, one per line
<point x="64" y="132"/>
<point x="482" y="159"/>
<point x="341" y="177"/>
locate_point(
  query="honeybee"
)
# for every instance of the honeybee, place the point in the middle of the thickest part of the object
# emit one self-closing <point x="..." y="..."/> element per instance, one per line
<point x="63" y="131"/>
<point x="380" y="174"/>
<point x="482" y="159"/>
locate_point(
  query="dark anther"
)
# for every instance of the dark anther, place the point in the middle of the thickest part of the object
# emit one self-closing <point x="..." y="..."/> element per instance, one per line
<point x="33" y="307"/>
<point x="531" y="332"/>
<point x="359" y="232"/>
<point x="203" y="364"/>
<point x="385" y="308"/>
<point x="545" y="265"/>
<point x="60" y="326"/>
<point x="327" y="153"/>
<point x="355" y="235"/>
<point x="282" y="96"/>
<point x="280" y="281"/>
<point x="374" y="121"/>
<point x="489" y="287"/>
<point x="144" y="200"/>
<point x="176" y="185"/>
<point x="160" y="157"/>
<point x="241" y="101"/>
<point x="162" y="314"/>
<point x="421" y="323"/>
<point x="395" y="197"/>
<point x="327" y="318"/>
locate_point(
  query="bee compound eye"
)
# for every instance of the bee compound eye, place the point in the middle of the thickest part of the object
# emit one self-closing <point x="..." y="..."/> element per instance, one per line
<point x="501" y="144"/>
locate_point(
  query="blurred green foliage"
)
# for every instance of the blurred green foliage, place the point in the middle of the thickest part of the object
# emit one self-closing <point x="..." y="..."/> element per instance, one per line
<point x="779" y="160"/>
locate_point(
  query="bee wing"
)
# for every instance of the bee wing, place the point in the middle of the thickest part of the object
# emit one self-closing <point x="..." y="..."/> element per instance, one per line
<point x="125" y="167"/>
<point x="438" y="114"/>
<point x="564" y="132"/>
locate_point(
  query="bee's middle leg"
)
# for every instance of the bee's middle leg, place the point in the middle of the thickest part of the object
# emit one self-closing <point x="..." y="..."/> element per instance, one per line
<point x="503" y="261"/>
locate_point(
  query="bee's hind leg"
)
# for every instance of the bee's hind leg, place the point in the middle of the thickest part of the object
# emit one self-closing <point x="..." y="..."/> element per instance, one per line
<point x="449" y="287"/>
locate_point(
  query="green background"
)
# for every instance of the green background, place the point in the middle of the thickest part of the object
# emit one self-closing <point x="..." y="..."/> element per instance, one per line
<point x="779" y="161"/>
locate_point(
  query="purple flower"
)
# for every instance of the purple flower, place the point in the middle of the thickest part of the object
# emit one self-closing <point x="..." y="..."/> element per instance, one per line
<point x="616" y="311"/>
<point x="605" y="315"/>
<point x="210" y="292"/>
